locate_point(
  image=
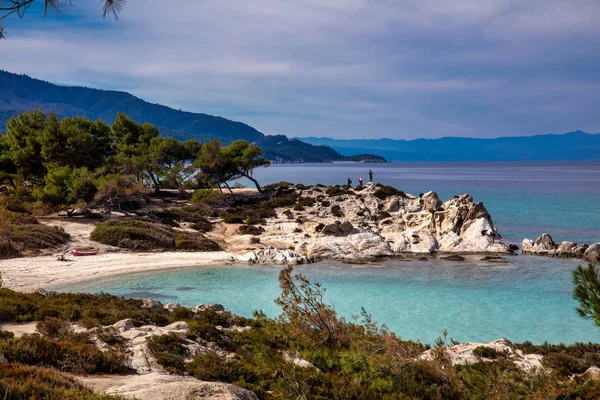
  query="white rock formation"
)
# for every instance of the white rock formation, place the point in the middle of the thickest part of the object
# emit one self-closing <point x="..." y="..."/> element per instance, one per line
<point x="462" y="354"/>
<point x="271" y="255"/>
<point x="361" y="225"/>
<point x="593" y="253"/>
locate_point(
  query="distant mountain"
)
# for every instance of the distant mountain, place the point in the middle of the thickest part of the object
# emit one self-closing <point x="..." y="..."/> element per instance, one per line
<point x="20" y="92"/>
<point x="571" y="146"/>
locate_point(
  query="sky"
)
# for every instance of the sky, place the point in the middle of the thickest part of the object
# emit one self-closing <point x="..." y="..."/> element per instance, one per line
<point x="338" y="68"/>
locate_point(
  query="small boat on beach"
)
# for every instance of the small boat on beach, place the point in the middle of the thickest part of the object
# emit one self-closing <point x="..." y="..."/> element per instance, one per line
<point x="85" y="252"/>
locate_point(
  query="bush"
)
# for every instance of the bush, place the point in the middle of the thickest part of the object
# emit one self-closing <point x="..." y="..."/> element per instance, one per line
<point x="146" y="235"/>
<point x="251" y="230"/>
<point x="169" y="352"/>
<point x="19" y="382"/>
<point x="203" y="225"/>
<point x="338" y="190"/>
<point x="78" y="358"/>
<point x="487" y="352"/>
<point x="34" y="237"/>
<point x="202" y="196"/>
<point x="193" y="213"/>
<point x="336" y="211"/>
<point x="383" y="192"/>
<point x="306" y="201"/>
<point x="55" y="328"/>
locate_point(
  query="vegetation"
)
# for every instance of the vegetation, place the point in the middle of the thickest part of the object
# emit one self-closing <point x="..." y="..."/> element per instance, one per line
<point x="137" y="234"/>
<point x="352" y="359"/>
<point x="587" y="292"/>
<point x="77" y="163"/>
<point x="384" y="191"/>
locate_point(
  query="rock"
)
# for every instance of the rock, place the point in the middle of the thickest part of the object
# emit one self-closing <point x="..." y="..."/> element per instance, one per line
<point x="346" y="227"/>
<point x="462" y="354"/>
<point x="184" y="390"/>
<point x="454" y="257"/>
<point x="214" y="307"/>
<point x="430" y="201"/>
<point x="592" y="373"/>
<point x="545" y="242"/>
<point x="123" y="325"/>
<point x="593" y="253"/>
<point x="272" y="255"/>
<point x="331" y="229"/>
<point x="545" y="246"/>
<point x="513" y="247"/>
<point x="172" y="306"/>
<point x="354" y="246"/>
<point x="571" y="250"/>
<point x="39" y="291"/>
<point x="152" y="304"/>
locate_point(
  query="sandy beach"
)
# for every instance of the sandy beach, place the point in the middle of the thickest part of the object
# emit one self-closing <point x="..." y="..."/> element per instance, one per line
<point x="44" y="271"/>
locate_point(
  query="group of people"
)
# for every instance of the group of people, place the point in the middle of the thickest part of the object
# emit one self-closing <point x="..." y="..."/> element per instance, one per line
<point x="360" y="180"/>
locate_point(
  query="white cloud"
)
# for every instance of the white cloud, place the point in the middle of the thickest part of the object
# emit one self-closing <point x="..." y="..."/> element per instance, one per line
<point x="336" y="67"/>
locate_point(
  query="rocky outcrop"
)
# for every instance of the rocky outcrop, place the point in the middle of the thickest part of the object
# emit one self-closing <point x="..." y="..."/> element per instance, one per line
<point x="593" y="253"/>
<point x="380" y="222"/>
<point x="545" y="246"/>
<point x="463" y="354"/>
<point x="271" y="255"/>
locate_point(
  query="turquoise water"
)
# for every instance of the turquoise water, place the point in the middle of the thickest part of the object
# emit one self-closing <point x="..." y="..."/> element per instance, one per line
<point x="527" y="299"/>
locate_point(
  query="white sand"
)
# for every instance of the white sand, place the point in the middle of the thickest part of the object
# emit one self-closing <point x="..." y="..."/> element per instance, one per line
<point x="44" y="271"/>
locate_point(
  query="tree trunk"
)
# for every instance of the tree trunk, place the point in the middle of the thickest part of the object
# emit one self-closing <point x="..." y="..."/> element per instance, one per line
<point x="260" y="190"/>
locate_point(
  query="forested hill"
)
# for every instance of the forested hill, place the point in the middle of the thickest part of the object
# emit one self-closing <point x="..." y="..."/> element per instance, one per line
<point x="20" y="92"/>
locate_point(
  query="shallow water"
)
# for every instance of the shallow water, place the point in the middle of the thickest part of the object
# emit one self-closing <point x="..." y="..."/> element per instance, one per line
<point x="527" y="299"/>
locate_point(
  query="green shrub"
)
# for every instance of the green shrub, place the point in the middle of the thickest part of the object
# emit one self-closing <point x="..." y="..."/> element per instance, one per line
<point x="33" y="237"/>
<point x="202" y="225"/>
<point x="298" y="207"/>
<point x="169" y="352"/>
<point x="202" y="196"/>
<point x="67" y="356"/>
<point x="18" y="382"/>
<point x="383" y="192"/>
<point x="306" y="201"/>
<point x="251" y="230"/>
<point x="338" y="190"/>
<point x="192" y="213"/>
<point x="487" y="352"/>
<point x="146" y="235"/>
<point x="336" y="211"/>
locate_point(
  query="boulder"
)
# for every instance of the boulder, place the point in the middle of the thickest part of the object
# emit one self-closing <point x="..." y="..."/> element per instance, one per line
<point x="571" y="250"/>
<point x="545" y="242"/>
<point x="430" y="201"/>
<point x="214" y="307"/>
<point x="152" y="304"/>
<point x="331" y="229"/>
<point x="593" y="253"/>
<point x="346" y="227"/>
<point x="172" y="306"/>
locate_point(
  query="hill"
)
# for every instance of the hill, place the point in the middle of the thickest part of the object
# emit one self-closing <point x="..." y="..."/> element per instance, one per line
<point x="571" y="146"/>
<point x="20" y="92"/>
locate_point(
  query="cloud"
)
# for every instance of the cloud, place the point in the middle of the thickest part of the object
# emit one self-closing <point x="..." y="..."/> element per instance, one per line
<point x="341" y="68"/>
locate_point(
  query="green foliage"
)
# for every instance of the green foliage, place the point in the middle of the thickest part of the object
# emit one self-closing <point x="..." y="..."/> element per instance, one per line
<point x="487" y="352"/>
<point x="586" y="291"/>
<point x="19" y="382"/>
<point x="65" y="355"/>
<point x="34" y="237"/>
<point x="139" y="234"/>
<point x="338" y="190"/>
<point x="383" y="192"/>
<point x="336" y="211"/>
<point x="220" y="164"/>
<point x="202" y="196"/>
<point x="169" y="352"/>
<point x="251" y="230"/>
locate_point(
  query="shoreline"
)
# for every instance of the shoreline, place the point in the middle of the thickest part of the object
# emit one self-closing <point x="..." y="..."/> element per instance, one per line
<point x="45" y="272"/>
<point x="35" y="272"/>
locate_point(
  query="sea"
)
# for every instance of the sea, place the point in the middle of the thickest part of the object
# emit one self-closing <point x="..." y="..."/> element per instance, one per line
<point x="528" y="298"/>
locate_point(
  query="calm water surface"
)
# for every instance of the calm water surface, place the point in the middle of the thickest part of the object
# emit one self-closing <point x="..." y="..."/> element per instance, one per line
<point x="527" y="299"/>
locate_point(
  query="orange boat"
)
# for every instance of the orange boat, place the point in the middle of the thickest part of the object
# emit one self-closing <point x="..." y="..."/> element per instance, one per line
<point x="85" y="252"/>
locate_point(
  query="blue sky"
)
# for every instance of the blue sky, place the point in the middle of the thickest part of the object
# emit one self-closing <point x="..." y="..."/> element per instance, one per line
<point x="337" y="68"/>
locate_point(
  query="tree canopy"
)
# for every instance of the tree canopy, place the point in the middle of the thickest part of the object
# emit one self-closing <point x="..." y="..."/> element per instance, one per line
<point x="69" y="161"/>
<point x="587" y="292"/>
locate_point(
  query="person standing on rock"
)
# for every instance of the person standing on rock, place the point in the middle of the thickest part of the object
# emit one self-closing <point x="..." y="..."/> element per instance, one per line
<point x="349" y="181"/>
<point x="360" y="181"/>
<point x="371" y="176"/>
